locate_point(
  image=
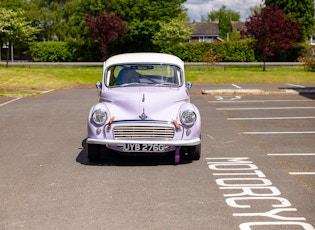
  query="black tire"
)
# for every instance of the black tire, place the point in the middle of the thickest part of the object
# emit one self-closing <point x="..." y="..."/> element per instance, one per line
<point x="194" y="152"/>
<point x="94" y="152"/>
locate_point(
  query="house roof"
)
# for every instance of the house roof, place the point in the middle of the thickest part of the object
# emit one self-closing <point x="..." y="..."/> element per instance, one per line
<point x="204" y="28"/>
<point x="238" y="26"/>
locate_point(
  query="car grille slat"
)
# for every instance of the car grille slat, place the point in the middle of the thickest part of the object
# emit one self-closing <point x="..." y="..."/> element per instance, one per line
<point x="144" y="132"/>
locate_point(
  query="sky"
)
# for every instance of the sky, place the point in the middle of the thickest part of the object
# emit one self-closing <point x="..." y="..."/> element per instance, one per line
<point x="198" y="8"/>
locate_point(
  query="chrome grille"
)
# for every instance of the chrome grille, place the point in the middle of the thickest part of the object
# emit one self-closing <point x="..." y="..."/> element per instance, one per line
<point x="144" y="132"/>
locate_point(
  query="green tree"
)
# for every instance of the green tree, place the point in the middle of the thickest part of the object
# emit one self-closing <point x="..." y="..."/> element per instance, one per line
<point x="172" y="33"/>
<point x="48" y="14"/>
<point x="59" y="19"/>
<point x="235" y="36"/>
<point x="74" y="14"/>
<point x="51" y="18"/>
<point x="11" y="4"/>
<point x="143" y="18"/>
<point x="300" y="10"/>
<point x="224" y="16"/>
<point x="14" y="28"/>
<point x="63" y="20"/>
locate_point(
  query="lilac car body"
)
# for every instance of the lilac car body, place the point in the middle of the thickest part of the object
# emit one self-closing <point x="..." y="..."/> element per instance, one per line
<point x="144" y="108"/>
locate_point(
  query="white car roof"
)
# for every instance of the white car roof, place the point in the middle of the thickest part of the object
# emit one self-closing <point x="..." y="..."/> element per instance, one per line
<point x="143" y="58"/>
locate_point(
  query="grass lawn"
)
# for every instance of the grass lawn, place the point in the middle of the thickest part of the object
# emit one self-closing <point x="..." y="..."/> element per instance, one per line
<point x="25" y="80"/>
<point x="249" y="75"/>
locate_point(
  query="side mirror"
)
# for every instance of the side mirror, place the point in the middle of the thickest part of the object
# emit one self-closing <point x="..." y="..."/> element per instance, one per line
<point x="188" y="85"/>
<point x="99" y="89"/>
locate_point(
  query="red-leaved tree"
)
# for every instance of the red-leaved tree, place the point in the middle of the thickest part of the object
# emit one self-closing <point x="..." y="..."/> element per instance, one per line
<point x="106" y="28"/>
<point x="273" y="31"/>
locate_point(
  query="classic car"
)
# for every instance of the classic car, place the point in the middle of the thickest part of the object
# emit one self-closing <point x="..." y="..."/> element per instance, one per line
<point x="144" y="108"/>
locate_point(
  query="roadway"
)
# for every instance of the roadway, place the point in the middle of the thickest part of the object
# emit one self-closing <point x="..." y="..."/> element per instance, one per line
<point x="257" y="169"/>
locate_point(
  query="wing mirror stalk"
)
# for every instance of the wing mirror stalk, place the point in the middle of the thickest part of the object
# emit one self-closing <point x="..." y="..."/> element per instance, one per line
<point x="188" y="85"/>
<point x="99" y="89"/>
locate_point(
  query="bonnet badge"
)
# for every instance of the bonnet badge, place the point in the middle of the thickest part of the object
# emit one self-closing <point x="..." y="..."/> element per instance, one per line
<point x="143" y="116"/>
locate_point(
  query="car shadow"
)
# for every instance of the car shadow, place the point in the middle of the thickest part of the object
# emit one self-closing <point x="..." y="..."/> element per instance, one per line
<point x="116" y="159"/>
<point x="308" y="92"/>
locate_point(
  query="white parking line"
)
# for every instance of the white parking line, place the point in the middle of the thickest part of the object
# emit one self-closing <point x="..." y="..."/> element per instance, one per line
<point x="211" y="137"/>
<point x="263" y="133"/>
<point x="267" y="108"/>
<point x="302" y="173"/>
<point x="291" y="154"/>
<point x="299" y="86"/>
<point x="47" y="91"/>
<point x="267" y="118"/>
<point x="236" y="86"/>
<point x="258" y="101"/>
<point x="8" y="102"/>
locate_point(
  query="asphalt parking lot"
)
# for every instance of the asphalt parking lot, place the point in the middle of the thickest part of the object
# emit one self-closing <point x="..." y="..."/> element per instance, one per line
<point x="257" y="168"/>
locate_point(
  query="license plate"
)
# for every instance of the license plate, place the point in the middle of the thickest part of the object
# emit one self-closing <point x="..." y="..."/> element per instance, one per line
<point x="143" y="148"/>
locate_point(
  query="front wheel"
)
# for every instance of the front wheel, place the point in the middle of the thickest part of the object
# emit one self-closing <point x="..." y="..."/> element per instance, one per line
<point x="194" y="152"/>
<point x="94" y="152"/>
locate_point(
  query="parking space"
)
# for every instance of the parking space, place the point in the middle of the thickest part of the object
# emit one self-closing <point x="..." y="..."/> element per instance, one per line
<point x="284" y="126"/>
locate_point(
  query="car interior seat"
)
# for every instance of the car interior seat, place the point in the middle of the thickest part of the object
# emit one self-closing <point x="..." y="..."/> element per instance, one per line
<point x="127" y="75"/>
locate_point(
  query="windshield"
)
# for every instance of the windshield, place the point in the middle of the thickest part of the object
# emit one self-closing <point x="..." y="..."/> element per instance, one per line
<point x="138" y="75"/>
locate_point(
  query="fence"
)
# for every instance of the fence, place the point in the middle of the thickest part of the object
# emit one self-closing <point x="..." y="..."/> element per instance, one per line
<point x="190" y="64"/>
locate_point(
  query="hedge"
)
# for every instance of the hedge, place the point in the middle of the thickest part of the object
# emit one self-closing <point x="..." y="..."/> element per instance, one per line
<point x="240" y="51"/>
<point x="233" y="51"/>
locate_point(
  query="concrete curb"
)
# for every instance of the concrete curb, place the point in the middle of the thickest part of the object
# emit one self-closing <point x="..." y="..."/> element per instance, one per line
<point x="257" y="92"/>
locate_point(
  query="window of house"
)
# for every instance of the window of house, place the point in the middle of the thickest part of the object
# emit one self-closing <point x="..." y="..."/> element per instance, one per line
<point x="205" y="39"/>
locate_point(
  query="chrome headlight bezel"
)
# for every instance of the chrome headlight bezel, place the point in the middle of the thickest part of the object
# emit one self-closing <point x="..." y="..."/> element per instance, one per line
<point x="188" y="117"/>
<point x="99" y="116"/>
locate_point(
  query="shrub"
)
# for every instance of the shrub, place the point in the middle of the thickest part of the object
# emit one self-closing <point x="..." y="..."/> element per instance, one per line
<point x="52" y="52"/>
<point x="309" y="63"/>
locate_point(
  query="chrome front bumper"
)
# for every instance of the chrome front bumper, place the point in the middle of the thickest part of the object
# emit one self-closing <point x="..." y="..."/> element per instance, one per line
<point x="179" y="143"/>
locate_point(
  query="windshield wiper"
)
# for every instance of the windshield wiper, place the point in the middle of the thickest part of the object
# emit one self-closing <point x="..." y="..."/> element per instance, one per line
<point x="165" y="84"/>
<point x="130" y="84"/>
<point x="136" y="84"/>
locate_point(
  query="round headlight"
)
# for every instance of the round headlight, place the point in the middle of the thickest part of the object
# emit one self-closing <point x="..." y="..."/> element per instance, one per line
<point x="188" y="117"/>
<point x="99" y="117"/>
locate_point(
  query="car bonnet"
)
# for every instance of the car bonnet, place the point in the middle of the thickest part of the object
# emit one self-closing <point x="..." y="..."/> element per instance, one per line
<point x="145" y="103"/>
